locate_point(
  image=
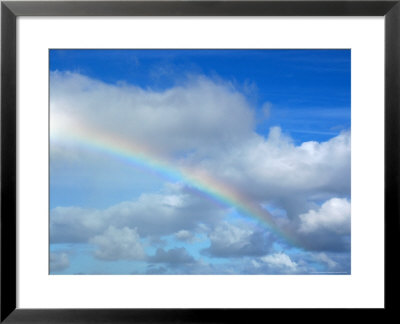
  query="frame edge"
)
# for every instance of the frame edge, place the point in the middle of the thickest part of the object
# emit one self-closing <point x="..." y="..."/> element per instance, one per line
<point x="8" y="171"/>
<point x="8" y="162"/>
<point x="392" y="153"/>
<point x="203" y="8"/>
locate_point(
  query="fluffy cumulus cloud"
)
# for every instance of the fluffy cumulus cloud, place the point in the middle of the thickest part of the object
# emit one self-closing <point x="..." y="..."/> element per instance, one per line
<point x="236" y="240"/>
<point x="212" y="127"/>
<point x="326" y="228"/>
<point x="177" y="120"/>
<point x="118" y="244"/>
<point x="275" y="263"/>
<point x="280" y="261"/>
<point x="333" y="216"/>
<point x="285" y="174"/>
<point x="306" y="262"/>
<point x="151" y="214"/>
<point x="208" y="126"/>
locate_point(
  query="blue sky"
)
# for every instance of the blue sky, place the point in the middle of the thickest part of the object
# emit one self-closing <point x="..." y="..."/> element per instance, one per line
<point x="272" y="125"/>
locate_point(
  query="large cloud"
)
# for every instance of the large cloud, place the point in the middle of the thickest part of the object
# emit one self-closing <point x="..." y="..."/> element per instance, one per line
<point x="180" y="119"/>
<point x="275" y="170"/>
<point x="209" y="126"/>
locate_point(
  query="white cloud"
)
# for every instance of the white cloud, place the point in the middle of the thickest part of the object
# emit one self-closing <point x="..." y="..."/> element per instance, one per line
<point x="184" y="235"/>
<point x="282" y="173"/>
<point x="58" y="261"/>
<point x="117" y="244"/>
<point x="280" y="261"/>
<point x="179" y="119"/>
<point x="333" y="215"/>
<point x="229" y="234"/>
<point x="205" y="125"/>
<point x="325" y="228"/>
<point x="157" y="214"/>
<point x="208" y="125"/>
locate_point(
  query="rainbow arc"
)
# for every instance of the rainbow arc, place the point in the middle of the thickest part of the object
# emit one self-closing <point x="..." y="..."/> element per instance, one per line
<point x="144" y="157"/>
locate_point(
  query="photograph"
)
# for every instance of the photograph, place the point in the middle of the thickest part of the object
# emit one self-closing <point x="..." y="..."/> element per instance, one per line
<point x="199" y="161"/>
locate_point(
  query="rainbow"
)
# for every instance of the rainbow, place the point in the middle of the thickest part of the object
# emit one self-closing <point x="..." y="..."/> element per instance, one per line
<point x="66" y="128"/>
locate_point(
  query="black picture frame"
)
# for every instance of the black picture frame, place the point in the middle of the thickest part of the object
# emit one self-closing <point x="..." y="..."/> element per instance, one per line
<point x="10" y="10"/>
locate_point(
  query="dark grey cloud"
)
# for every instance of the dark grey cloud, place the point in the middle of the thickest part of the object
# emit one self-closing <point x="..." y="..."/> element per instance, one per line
<point x="173" y="257"/>
<point x="326" y="241"/>
<point x="238" y="240"/>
